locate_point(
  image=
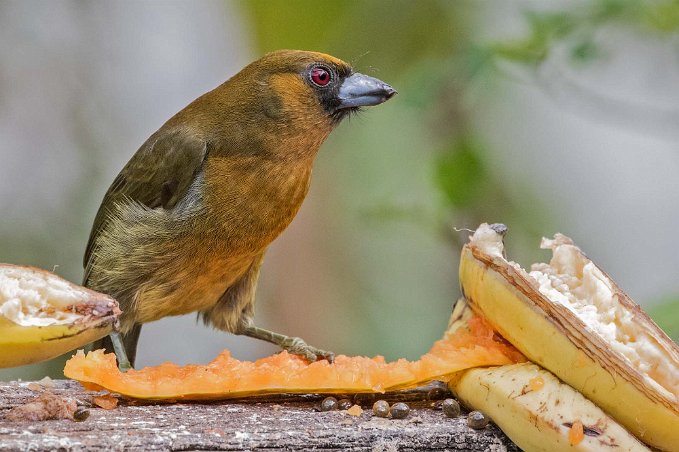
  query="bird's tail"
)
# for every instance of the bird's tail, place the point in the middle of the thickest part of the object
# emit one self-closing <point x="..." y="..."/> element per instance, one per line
<point x="130" y="340"/>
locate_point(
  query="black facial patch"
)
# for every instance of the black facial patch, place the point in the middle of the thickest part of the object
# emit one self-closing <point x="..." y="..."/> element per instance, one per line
<point x="328" y="95"/>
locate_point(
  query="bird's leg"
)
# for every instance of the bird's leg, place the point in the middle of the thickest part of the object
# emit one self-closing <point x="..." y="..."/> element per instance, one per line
<point x="117" y="341"/>
<point x="294" y="345"/>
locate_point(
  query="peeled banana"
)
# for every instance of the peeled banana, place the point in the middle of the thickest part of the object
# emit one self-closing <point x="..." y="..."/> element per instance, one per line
<point x="539" y="412"/>
<point x="43" y="316"/>
<point x="534" y="408"/>
<point x="571" y="318"/>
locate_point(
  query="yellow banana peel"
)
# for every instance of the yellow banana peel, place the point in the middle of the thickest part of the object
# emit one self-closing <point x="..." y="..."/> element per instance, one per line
<point x="43" y="316"/>
<point x="534" y="408"/>
<point x="572" y="319"/>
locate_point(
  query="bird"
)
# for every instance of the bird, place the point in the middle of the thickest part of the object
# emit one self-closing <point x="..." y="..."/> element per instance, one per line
<point x="185" y="225"/>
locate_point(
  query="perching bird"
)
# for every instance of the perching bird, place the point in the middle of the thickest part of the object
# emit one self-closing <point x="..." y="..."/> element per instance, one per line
<point x="185" y="225"/>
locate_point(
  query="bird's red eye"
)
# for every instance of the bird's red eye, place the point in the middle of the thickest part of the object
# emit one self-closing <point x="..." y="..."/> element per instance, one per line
<point x="320" y="75"/>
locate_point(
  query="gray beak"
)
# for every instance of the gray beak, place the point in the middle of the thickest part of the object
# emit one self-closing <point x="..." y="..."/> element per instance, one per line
<point x="360" y="90"/>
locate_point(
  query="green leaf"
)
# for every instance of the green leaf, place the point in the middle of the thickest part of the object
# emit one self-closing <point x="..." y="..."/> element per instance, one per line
<point x="666" y="315"/>
<point x="300" y="24"/>
<point x="663" y="16"/>
<point x="584" y="52"/>
<point x="460" y="174"/>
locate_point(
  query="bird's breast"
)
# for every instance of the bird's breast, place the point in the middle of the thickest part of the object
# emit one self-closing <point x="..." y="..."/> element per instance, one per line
<point x="249" y="201"/>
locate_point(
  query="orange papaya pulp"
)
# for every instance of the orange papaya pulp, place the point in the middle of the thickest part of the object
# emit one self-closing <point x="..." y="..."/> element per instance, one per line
<point x="225" y="377"/>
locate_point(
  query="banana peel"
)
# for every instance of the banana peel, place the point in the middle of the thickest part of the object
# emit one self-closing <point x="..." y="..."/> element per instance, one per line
<point x="43" y="316"/>
<point x="572" y="319"/>
<point x="539" y="412"/>
<point x="534" y="408"/>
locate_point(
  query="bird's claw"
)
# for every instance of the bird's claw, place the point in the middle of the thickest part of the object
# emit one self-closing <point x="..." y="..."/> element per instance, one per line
<point x="124" y="367"/>
<point x="297" y="346"/>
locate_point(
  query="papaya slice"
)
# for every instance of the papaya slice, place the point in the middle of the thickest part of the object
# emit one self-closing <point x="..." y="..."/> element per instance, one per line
<point x="472" y="345"/>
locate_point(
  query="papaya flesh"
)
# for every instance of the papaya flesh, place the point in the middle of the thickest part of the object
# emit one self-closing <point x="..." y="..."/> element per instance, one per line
<point x="474" y="345"/>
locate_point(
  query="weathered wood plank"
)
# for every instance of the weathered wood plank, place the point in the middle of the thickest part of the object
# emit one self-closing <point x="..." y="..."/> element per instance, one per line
<point x="292" y="424"/>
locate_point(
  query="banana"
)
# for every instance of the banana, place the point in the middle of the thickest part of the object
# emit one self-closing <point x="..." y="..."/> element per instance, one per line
<point x="539" y="412"/>
<point x="571" y="318"/>
<point x="43" y="316"/>
<point x="534" y="408"/>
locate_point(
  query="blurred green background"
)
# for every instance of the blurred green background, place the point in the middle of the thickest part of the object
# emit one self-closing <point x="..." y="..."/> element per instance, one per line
<point x="548" y="116"/>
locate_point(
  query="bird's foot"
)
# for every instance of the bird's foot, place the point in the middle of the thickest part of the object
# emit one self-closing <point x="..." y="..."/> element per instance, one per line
<point x="294" y="345"/>
<point x="119" y="348"/>
<point x="124" y="367"/>
<point x="297" y="346"/>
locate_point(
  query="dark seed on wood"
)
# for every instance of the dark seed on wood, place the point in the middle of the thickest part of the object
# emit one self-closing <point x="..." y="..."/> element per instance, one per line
<point x="399" y="410"/>
<point x="329" y="404"/>
<point x="477" y="420"/>
<point x="451" y="408"/>
<point x="344" y="404"/>
<point x="80" y="414"/>
<point x="381" y="408"/>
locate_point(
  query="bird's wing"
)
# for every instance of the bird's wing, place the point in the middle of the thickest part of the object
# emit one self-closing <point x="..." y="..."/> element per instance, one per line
<point x="158" y="175"/>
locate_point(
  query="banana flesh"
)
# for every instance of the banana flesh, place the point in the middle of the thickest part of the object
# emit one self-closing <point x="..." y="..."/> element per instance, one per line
<point x="609" y="349"/>
<point x="537" y="411"/>
<point x="43" y="316"/>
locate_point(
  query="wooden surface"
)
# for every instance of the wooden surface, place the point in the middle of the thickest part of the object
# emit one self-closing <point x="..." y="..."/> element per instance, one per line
<point x="290" y="423"/>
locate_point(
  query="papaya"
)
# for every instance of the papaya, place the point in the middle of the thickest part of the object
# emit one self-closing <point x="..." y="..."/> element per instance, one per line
<point x="472" y="345"/>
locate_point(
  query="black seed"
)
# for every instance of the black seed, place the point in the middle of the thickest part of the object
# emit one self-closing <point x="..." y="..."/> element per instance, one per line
<point x="589" y="431"/>
<point x="329" y="404"/>
<point x="477" y="420"/>
<point x="399" y="410"/>
<point x="81" y="414"/>
<point x="592" y="431"/>
<point x="381" y="408"/>
<point x="436" y="394"/>
<point x="344" y="404"/>
<point x="451" y="408"/>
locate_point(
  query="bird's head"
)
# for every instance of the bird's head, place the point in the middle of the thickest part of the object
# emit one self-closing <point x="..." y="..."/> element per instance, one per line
<point x="311" y="79"/>
<point x="298" y="97"/>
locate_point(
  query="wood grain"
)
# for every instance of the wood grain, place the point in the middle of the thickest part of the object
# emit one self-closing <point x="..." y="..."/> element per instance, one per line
<point x="288" y="423"/>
